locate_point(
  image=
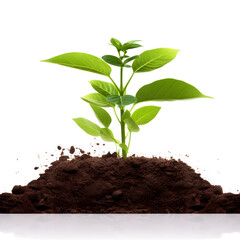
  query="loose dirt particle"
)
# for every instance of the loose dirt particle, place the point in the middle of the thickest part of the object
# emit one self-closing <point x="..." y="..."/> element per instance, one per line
<point x="81" y="151"/>
<point x="72" y="150"/>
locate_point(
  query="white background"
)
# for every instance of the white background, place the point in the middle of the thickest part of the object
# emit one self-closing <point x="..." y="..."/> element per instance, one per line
<point x="38" y="100"/>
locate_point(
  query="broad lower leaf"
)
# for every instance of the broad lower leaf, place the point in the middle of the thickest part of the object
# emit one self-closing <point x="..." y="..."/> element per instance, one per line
<point x="132" y="126"/>
<point x="104" y="88"/>
<point x="121" y="100"/>
<point x="113" y="60"/>
<point x="102" y="115"/>
<point x="88" y="126"/>
<point x="145" y="114"/>
<point x="116" y="43"/>
<point x="107" y="135"/>
<point x="82" y="61"/>
<point x="130" y="59"/>
<point x="168" y="90"/>
<point x="124" y="147"/>
<point x="153" y="59"/>
<point x="97" y="99"/>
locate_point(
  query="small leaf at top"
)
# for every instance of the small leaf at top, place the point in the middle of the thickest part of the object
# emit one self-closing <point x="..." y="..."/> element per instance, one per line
<point x="145" y="114"/>
<point x="168" y="89"/>
<point x="133" y="41"/>
<point x="127" y="46"/>
<point x="113" y="60"/>
<point x="153" y="59"/>
<point x="121" y="100"/>
<point x="82" y="61"/>
<point x="105" y="88"/>
<point x="102" y="115"/>
<point x="88" y="126"/>
<point x="97" y="99"/>
<point x="132" y="125"/>
<point x="107" y="135"/>
<point x="116" y="43"/>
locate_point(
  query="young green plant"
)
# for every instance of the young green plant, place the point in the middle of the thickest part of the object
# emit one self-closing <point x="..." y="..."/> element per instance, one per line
<point x="113" y="94"/>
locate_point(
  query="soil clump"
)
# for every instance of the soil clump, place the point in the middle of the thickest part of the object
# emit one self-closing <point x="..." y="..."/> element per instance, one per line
<point x="109" y="184"/>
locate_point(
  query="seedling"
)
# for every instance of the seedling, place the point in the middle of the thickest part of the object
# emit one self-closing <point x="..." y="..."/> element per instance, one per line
<point x="114" y="95"/>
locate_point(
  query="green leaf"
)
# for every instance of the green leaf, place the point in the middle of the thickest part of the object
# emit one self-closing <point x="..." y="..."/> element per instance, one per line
<point x="133" y="41"/>
<point x="107" y="135"/>
<point x="121" y="100"/>
<point x="132" y="126"/>
<point x="130" y="59"/>
<point x="167" y="90"/>
<point x="153" y="59"/>
<point x="113" y="60"/>
<point x="82" y="61"/>
<point x="97" y="99"/>
<point x="145" y="114"/>
<point x="116" y="43"/>
<point x="129" y="45"/>
<point x="104" y="88"/>
<point x="126" y="115"/>
<point x="124" y="147"/>
<point x="102" y="115"/>
<point x="88" y="126"/>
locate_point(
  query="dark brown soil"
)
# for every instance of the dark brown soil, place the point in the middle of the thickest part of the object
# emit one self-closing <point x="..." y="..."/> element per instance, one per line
<point x="113" y="185"/>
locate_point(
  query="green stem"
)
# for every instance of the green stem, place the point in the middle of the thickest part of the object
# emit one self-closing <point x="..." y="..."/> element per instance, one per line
<point x="128" y="82"/>
<point x="115" y="84"/>
<point x="124" y="154"/>
<point x="129" y="140"/>
<point x="121" y="82"/>
<point x="126" y="135"/>
<point x="132" y="107"/>
<point x="116" y="115"/>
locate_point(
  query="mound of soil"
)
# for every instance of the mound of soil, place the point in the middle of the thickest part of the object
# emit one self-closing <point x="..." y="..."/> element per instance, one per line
<point x="113" y="185"/>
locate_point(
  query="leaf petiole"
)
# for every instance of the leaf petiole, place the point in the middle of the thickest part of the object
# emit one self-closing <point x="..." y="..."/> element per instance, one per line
<point x="132" y="107"/>
<point x="126" y="135"/>
<point x="124" y="89"/>
<point x="115" y="84"/>
<point x="116" y="115"/>
<point x="129" y="140"/>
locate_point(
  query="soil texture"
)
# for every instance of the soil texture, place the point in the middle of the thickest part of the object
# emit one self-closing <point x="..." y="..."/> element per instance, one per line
<point x="109" y="184"/>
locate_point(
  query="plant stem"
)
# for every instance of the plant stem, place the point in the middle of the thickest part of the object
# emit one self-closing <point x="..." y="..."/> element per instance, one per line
<point x="116" y="115"/>
<point x="128" y="82"/>
<point x="115" y="84"/>
<point x="129" y="140"/>
<point x="132" y="107"/>
<point x="121" y="81"/>
<point x="126" y="136"/>
<point x="124" y="154"/>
